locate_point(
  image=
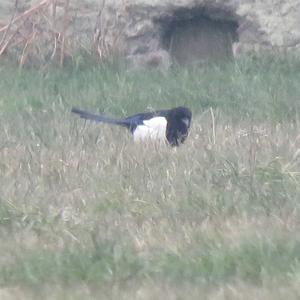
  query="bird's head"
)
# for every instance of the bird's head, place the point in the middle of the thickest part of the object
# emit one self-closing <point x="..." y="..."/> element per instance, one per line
<point x="179" y="122"/>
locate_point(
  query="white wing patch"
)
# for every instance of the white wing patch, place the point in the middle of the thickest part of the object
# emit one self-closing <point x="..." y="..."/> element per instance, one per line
<point x="153" y="129"/>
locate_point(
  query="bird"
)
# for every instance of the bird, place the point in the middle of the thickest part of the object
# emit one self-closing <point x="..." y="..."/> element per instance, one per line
<point x="170" y="125"/>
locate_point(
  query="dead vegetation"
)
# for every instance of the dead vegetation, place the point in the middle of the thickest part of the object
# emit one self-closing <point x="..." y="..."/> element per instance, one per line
<point x="43" y="34"/>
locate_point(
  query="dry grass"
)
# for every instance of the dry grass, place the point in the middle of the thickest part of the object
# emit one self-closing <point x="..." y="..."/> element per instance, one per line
<point x="85" y="213"/>
<point x="51" y="32"/>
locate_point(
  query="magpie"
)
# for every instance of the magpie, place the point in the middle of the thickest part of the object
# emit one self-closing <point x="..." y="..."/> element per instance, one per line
<point x="171" y="125"/>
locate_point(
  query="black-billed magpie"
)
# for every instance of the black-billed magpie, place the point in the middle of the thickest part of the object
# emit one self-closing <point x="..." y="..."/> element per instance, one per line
<point x="170" y="124"/>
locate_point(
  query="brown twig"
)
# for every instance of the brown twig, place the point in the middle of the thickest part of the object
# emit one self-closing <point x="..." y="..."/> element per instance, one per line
<point x="53" y="25"/>
<point x="98" y="32"/>
<point x="26" y="13"/>
<point x="65" y="26"/>
<point x="25" y="49"/>
<point x="9" y="24"/>
<point x="11" y="37"/>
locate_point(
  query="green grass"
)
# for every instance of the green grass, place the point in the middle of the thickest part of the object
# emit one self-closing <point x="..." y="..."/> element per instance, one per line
<point x="261" y="88"/>
<point x="87" y="214"/>
<point x="207" y="261"/>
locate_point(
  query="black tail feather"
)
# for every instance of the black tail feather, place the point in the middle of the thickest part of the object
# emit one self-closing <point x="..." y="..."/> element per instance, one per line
<point x="99" y="118"/>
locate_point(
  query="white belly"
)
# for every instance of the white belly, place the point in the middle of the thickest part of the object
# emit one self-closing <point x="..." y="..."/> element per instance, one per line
<point x="153" y="129"/>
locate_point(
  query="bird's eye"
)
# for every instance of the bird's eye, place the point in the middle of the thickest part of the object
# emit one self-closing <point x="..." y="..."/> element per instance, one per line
<point x="186" y="121"/>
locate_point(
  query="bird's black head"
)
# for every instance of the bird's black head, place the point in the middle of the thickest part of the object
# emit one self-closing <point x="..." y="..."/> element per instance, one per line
<point x="179" y="122"/>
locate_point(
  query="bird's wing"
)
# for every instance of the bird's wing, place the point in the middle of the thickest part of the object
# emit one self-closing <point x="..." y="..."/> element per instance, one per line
<point x="140" y="118"/>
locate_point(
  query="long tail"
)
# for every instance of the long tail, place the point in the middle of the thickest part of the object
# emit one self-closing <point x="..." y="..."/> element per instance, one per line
<point x="99" y="118"/>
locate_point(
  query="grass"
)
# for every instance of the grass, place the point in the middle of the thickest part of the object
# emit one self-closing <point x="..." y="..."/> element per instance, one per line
<point x="87" y="214"/>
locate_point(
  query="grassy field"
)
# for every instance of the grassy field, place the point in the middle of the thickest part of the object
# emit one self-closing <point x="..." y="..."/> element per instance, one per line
<point x="87" y="214"/>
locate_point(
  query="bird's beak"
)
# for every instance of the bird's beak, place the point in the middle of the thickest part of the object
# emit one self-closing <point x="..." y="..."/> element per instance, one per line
<point x="186" y="121"/>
